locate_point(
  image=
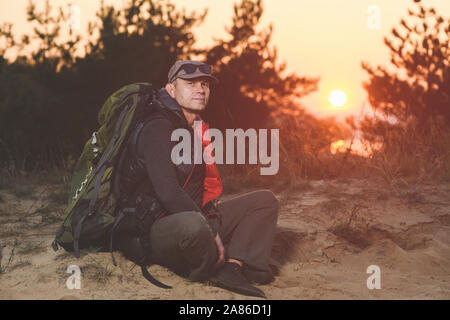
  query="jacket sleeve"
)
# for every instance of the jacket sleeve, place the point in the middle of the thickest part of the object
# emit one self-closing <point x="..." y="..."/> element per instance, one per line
<point x="154" y="145"/>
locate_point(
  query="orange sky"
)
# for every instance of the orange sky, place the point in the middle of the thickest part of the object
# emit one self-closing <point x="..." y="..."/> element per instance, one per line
<point x="317" y="38"/>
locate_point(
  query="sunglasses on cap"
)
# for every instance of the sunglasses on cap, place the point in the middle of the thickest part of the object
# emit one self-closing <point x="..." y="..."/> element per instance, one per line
<point x="190" y="68"/>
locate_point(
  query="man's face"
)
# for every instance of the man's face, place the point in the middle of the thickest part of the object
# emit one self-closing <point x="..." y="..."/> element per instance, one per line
<point x="192" y="94"/>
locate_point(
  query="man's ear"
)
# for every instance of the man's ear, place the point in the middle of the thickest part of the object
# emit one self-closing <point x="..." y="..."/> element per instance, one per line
<point x="170" y="88"/>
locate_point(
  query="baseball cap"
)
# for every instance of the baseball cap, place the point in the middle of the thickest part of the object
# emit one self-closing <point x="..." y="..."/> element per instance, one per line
<point x="190" y="69"/>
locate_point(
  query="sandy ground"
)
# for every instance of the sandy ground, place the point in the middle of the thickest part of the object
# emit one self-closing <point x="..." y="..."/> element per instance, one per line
<point x="329" y="233"/>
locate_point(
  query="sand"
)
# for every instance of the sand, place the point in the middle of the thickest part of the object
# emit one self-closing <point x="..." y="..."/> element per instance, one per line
<point x="329" y="233"/>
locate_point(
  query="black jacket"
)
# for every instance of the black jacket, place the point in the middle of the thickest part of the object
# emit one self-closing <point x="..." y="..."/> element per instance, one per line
<point x="148" y="176"/>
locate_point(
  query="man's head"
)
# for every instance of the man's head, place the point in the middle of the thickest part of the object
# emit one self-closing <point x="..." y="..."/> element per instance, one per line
<point x="189" y="83"/>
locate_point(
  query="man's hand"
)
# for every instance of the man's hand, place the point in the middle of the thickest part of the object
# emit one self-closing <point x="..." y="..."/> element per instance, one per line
<point x="221" y="251"/>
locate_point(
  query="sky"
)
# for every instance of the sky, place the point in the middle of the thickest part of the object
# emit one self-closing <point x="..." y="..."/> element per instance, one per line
<point x="315" y="38"/>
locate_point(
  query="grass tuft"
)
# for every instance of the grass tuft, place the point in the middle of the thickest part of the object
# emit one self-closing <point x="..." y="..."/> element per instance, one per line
<point x="351" y="234"/>
<point x="32" y="248"/>
<point x="345" y="229"/>
<point x="97" y="272"/>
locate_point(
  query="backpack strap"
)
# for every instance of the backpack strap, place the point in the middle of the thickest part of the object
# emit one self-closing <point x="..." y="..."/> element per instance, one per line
<point x="150" y="278"/>
<point x="139" y="259"/>
<point x="116" y="222"/>
<point x="148" y="95"/>
<point x="135" y="136"/>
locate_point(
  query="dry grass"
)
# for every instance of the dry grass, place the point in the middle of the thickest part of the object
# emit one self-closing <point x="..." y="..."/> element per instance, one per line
<point x="413" y="152"/>
<point x="304" y="154"/>
<point x="351" y="234"/>
<point x="59" y="196"/>
<point x="20" y="264"/>
<point x="332" y="205"/>
<point x="95" y="271"/>
<point x="64" y="256"/>
<point x="9" y="232"/>
<point x="91" y="269"/>
<point x="23" y="190"/>
<point x="32" y="248"/>
<point x="2" y="246"/>
<point x="51" y="215"/>
<point x="6" y="267"/>
<point x="345" y="229"/>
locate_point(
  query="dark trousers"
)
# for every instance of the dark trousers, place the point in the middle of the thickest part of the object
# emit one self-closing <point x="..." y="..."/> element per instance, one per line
<point x="184" y="241"/>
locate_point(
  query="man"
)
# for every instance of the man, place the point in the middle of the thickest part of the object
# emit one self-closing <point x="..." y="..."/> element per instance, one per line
<point x="197" y="236"/>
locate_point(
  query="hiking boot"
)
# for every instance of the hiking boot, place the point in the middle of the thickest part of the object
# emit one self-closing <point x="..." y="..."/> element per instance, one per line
<point x="230" y="277"/>
<point x="257" y="276"/>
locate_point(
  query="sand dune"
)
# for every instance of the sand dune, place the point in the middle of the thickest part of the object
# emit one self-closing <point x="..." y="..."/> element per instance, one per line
<point x="329" y="233"/>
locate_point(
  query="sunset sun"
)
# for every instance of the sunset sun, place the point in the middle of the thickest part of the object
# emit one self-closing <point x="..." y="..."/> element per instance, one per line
<point x="337" y="98"/>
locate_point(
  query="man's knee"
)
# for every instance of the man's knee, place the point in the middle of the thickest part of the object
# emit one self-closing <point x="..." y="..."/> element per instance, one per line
<point x="198" y="247"/>
<point x="195" y="231"/>
<point x="269" y="199"/>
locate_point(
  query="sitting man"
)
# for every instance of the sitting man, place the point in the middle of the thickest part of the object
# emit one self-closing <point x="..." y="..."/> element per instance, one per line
<point x="197" y="236"/>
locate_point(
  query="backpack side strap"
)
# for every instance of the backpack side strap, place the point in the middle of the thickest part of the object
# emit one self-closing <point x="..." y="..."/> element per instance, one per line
<point x="150" y="278"/>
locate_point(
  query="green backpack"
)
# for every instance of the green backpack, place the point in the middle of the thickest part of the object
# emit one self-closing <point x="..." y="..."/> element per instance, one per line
<point x="92" y="213"/>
